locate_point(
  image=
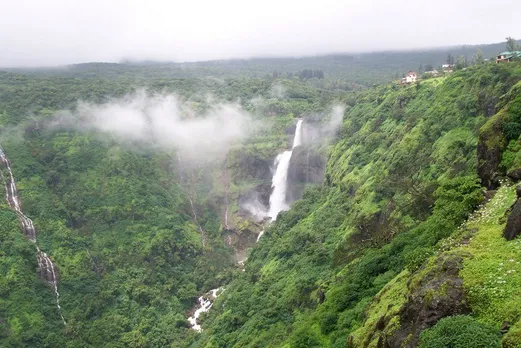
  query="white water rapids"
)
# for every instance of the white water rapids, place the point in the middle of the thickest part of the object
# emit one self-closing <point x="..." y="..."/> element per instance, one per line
<point x="45" y="265"/>
<point x="205" y="303"/>
<point x="280" y="177"/>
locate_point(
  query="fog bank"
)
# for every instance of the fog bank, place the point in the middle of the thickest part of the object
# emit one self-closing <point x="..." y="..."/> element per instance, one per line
<point x="163" y="121"/>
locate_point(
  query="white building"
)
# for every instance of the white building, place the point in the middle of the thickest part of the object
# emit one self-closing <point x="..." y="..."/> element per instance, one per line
<point x="411" y="77"/>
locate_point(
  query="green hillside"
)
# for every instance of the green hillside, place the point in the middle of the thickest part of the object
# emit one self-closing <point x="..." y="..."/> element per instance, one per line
<point x="400" y="245"/>
<point x="382" y="250"/>
<point x="346" y="71"/>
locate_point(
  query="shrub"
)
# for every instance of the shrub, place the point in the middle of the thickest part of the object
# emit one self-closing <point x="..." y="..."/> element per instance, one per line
<point x="460" y="331"/>
<point x="415" y="258"/>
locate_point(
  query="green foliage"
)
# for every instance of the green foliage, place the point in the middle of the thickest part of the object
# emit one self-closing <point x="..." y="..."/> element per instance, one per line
<point x="513" y="338"/>
<point x="492" y="276"/>
<point x="460" y="332"/>
<point x="120" y="222"/>
<point x="400" y="179"/>
<point x="416" y="258"/>
<point x="28" y="315"/>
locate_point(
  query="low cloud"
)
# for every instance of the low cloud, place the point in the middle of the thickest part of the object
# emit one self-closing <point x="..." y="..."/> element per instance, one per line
<point x="336" y="119"/>
<point x="164" y="121"/>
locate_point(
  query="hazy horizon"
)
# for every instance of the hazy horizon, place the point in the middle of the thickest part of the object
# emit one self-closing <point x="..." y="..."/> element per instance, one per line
<point x="57" y="32"/>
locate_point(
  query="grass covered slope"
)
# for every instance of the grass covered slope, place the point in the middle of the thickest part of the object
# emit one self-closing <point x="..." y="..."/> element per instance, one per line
<point x="337" y="268"/>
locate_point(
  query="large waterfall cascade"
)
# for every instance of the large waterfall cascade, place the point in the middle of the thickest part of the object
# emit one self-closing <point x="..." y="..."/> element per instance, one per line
<point x="46" y="267"/>
<point x="280" y="177"/>
<point x="277" y="204"/>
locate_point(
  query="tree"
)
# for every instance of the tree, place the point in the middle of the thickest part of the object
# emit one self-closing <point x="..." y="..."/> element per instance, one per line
<point x="512" y="44"/>
<point x="429" y="67"/>
<point x="478" y="57"/>
<point x="461" y="62"/>
<point x="450" y="59"/>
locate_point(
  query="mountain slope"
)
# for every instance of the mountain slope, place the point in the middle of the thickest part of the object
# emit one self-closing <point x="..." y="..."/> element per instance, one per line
<point x="400" y="181"/>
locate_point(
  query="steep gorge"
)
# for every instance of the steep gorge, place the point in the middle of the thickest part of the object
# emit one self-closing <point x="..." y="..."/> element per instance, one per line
<point x="382" y="252"/>
<point x="386" y="242"/>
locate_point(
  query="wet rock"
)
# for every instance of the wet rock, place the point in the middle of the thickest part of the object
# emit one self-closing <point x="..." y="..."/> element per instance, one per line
<point x="513" y="226"/>
<point x="490" y="147"/>
<point x="255" y="202"/>
<point x="505" y="327"/>
<point x="306" y="166"/>
<point x="380" y="324"/>
<point x="436" y="295"/>
<point x="515" y="174"/>
<point x="350" y="342"/>
<point x="250" y="166"/>
<point x="241" y="241"/>
<point x="490" y="194"/>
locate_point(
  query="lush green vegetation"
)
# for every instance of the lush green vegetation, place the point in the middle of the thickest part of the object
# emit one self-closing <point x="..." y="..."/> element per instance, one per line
<point x="119" y="221"/>
<point x="388" y="231"/>
<point x="460" y="331"/>
<point x="400" y="181"/>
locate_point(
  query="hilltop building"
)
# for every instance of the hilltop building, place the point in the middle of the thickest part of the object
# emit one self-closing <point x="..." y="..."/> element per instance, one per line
<point x="410" y="77"/>
<point x="506" y="57"/>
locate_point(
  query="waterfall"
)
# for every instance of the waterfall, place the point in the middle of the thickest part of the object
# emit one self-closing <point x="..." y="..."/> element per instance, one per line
<point x="280" y="177"/>
<point x="45" y="265"/>
<point x="205" y="302"/>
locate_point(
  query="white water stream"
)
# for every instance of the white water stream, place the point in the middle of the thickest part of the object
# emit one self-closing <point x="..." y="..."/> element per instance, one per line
<point x="280" y="177"/>
<point x="205" y="303"/>
<point x="45" y="265"/>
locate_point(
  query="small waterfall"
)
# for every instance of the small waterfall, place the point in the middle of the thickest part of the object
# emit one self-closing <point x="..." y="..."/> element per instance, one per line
<point x="46" y="267"/>
<point x="205" y="302"/>
<point x="280" y="177"/>
<point x="189" y="195"/>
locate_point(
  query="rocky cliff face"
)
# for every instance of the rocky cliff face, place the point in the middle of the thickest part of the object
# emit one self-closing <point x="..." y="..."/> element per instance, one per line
<point x="513" y="226"/>
<point x="491" y="145"/>
<point x="417" y="304"/>
<point x="306" y="166"/>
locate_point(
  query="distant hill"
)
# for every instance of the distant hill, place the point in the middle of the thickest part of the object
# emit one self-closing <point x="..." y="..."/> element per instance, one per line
<point x="359" y="69"/>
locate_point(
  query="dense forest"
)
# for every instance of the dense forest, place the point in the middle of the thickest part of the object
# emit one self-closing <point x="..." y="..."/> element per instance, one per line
<point x="401" y="233"/>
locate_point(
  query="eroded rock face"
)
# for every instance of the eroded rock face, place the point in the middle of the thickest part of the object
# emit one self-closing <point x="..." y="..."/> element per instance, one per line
<point x="513" y="226"/>
<point x="255" y="203"/>
<point x="515" y="174"/>
<point x="488" y="162"/>
<point x="242" y="239"/>
<point x="306" y="166"/>
<point x="437" y="295"/>
<point x="251" y="167"/>
<point x="434" y="293"/>
<point x="490" y="148"/>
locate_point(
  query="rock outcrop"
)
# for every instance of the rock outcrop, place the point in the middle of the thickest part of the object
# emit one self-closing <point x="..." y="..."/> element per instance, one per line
<point x="306" y="166"/>
<point x="435" y="292"/>
<point x="513" y="226"/>
<point x="490" y="148"/>
<point x="438" y="294"/>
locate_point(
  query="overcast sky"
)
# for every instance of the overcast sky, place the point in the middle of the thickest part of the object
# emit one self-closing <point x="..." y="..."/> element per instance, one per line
<point x="56" y="32"/>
